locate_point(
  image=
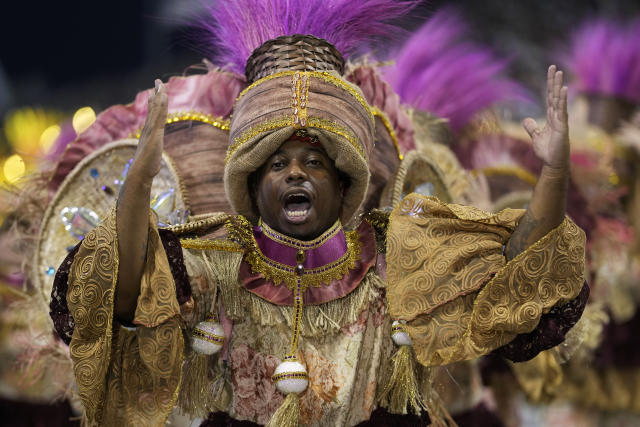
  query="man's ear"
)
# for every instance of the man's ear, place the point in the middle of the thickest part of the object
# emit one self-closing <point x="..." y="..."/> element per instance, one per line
<point x="345" y="183"/>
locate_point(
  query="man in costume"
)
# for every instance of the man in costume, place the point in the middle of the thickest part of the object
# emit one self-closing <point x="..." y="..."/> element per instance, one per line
<point x="289" y="317"/>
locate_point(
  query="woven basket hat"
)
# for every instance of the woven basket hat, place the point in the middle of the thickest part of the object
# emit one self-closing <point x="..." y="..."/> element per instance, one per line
<point x="295" y="83"/>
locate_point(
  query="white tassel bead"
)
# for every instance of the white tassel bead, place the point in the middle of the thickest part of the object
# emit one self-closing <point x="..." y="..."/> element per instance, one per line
<point x="207" y="337"/>
<point x="291" y="377"/>
<point x="399" y="335"/>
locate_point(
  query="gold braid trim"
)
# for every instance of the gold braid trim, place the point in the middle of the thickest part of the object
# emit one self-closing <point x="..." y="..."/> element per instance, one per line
<point x="288" y="121"/>
<point x="196" y="116"/>
<point x="387" y="124"/>
<point x="240" y="231"/>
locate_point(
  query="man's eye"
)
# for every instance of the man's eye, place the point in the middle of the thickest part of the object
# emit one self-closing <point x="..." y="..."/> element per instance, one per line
<point x="278" y="164"/>
<point x="314" y="162"/>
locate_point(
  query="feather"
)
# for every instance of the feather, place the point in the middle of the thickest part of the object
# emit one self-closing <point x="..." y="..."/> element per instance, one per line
<point x="234" y="28"/>
<point x="439" y="71"/>
<point x="604" y="58"/>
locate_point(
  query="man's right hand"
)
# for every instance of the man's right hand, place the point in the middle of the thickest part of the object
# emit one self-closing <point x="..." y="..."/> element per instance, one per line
<point x="132" y="214"/>
<point x="148" y="157"/>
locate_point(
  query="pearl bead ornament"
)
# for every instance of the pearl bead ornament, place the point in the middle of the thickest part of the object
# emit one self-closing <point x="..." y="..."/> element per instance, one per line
<point x="208" y="337"/>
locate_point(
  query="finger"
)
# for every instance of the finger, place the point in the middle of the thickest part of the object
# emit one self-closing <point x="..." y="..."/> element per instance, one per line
<point x="530" y="126"/>
<point x="562" y="107"/>
<point x="557" y="87"/>
<point x="550" y="75"/>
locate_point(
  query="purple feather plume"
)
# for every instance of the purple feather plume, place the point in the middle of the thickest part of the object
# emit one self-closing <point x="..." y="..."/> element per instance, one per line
<point x="234" y="28"/>
<point x="439" y="71"/>
<point x="604" y="58"/>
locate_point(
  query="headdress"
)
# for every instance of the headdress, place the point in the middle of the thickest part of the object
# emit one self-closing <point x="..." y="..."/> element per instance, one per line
<point x="292" y="55"/>
<point x="604" y="58"/>
<point x="438" y="71"/>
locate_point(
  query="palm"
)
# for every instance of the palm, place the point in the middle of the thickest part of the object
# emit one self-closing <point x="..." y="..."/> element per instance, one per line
<point x="551" y="141"/>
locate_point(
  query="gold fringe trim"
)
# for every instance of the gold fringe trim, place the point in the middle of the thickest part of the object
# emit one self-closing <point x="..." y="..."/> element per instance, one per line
<point x="288" y="414"/>
<point x="240" y="230"/>
<point x="400" y="391"/>
<point x="195" y="388"/>
<point x="239" y="304"/>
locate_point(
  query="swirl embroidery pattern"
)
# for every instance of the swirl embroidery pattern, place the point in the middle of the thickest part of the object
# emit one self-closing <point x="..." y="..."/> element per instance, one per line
<point x="124" y="377"/>
<point x="447" y="277"/>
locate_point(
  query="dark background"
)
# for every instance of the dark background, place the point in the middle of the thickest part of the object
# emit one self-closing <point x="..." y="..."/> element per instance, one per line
<point x="66" y="54"/>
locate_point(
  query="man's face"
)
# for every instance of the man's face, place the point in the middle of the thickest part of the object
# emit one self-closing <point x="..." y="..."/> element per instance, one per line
<point x="299" y="191"/>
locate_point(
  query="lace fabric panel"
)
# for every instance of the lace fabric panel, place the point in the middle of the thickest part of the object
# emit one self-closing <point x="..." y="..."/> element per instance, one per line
<point x="550" y="332"/>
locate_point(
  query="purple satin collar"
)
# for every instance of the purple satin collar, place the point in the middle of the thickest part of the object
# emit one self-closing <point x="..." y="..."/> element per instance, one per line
<point x="327" y="248"/>
<point x="280" y="295"/>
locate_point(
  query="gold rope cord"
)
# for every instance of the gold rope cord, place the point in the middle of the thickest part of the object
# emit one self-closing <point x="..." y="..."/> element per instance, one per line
<point x="124" y="377"/>
<point x="440" y="259"/>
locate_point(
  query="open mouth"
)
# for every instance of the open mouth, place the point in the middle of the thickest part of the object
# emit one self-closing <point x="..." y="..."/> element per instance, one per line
<point x="297" y="206"/>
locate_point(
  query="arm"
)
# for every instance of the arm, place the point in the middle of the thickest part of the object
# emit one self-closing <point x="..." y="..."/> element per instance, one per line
<point x="551" y="144"/>
<point x="132" y="215"/>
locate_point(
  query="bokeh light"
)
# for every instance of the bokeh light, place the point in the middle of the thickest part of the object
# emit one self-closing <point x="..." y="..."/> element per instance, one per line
<point x="83" y="118"/>
<point x="49" y="136"/>
<point x="13" y="168"/>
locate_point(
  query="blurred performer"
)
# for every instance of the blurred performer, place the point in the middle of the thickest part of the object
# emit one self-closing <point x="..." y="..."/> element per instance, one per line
<point x="602" y="376"/>
<point x="297" y="308"/>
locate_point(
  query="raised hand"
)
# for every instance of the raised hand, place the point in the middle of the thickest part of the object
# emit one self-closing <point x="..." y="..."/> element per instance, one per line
<point x="551" y="141"/>
<point x="551" y="144"/>
<point x="132" y="213"/>
<point x="148" y="157"/>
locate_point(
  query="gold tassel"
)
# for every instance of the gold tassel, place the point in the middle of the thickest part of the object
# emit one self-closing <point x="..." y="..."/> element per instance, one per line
<point x="287" y="414"/>
<point x="195" y="389"/>
<point x="401" y="388"/>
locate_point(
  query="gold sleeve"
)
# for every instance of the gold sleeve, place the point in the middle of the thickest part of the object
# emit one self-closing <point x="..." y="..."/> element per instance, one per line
<point x="448" y="278"/>
<point x="124" y="377"/>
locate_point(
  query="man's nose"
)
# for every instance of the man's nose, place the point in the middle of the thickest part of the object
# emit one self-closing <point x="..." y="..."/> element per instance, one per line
<point x="295" y="172"/>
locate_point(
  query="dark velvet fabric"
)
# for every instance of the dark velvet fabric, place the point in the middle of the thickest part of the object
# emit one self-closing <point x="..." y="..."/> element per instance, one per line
<point x="173" y="249"/>
<point x="620" y="347"/>
<point x="550" y="332"/>
<point x="63" y="322"/>
<point x="16" y="413"/>
<point x="480" y="416"/>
